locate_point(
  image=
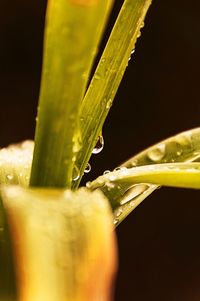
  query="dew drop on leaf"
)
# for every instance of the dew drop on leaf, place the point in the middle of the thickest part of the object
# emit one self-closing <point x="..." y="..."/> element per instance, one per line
<point x="88" y="184"/>
<point x="99" y="145"/>
<point x="118" y="212"/>
<point x="109" y="104"/>
<point x="76" y="173"/>
<point x="156" y="154"/>
<point x="132" y="51"/>
<point x="116" y="221"/>
<point x="88" y="168"/>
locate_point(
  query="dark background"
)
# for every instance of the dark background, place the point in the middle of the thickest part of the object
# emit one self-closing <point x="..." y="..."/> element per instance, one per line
<point x="159" y="243"/>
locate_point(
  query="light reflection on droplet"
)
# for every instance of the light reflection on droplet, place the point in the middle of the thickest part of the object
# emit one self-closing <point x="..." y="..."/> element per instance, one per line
<point x="76" y="173"/>
<point x="156" y="154"/>
<point x="99" y="145"/>
<point x="88" y="168"/>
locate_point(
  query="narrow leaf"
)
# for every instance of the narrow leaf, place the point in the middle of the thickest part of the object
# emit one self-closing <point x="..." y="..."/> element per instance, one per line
<point x="108" y="75"/>
<point x="185" y="175"/>
<point x="73" y="30"/>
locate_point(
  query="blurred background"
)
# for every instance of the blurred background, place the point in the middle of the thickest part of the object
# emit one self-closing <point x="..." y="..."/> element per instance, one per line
<point x="159" y="243"/>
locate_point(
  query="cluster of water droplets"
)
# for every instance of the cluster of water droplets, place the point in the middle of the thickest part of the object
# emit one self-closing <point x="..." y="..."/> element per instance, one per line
<point x="15" y="162"/>
<point x="125" y="201"/>
<point x="97" y="149"/>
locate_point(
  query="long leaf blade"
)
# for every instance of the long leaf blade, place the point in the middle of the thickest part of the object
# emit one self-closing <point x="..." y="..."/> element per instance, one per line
<point x="73" y="31"/>
<point x="108" y="75"/>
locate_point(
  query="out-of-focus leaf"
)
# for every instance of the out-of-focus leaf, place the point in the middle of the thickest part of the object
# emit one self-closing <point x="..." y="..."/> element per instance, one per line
<point x="7" y="276"/>
<point x="15" y="163"/>
<point x="63" y="243"/>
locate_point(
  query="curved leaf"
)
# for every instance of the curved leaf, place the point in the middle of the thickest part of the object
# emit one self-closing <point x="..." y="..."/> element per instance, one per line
<point x="125" y="197"/>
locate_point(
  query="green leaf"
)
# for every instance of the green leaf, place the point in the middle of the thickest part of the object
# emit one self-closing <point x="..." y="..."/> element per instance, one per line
<point x="108" y="75"/>
<point x="125" y="197"/>
<point x="72" y="34"/>
<point x="185" y="175"/>
<point x="60" y="238"/>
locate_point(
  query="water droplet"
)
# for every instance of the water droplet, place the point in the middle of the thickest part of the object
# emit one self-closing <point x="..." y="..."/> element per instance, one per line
<point x="118" y="212"/>
<point x="88" y="184"/>
<point x="117" y="169"/>
<point x="133" y="192"/>
<point x="156" y="154"/>
<point x="134" y="163"/>
<point x="99" y="145"/>
<point x="88" y="168"/>
<point x="109" y="104"/>
<point x="97" y="76"/>
<point x="76" y="173"/>
<point x="132" y="51"/>
<point x="106" y="172"/>
<point x="178" y="153"/>
<point x="122" y="168"/>
<point x="185" y="139"/>
<point x="139" y="34"/>
<point x="111" y="177"/>
<point x="116" y="221"/>
<point x="110" y="185"/>
<point x="142" y="24"/>
<point x="9" y="177"/>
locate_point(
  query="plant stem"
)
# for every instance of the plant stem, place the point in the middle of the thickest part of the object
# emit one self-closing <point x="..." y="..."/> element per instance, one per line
<point x="73" y="31"/>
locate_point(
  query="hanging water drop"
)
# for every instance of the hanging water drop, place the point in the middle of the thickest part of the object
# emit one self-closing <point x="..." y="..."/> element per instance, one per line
<point x="156" y="154"/>
<point x="132" y="51"/>
<point x="88" y="168"/>
<point x="99" y="145"/>
<point x="76" y="173"/>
